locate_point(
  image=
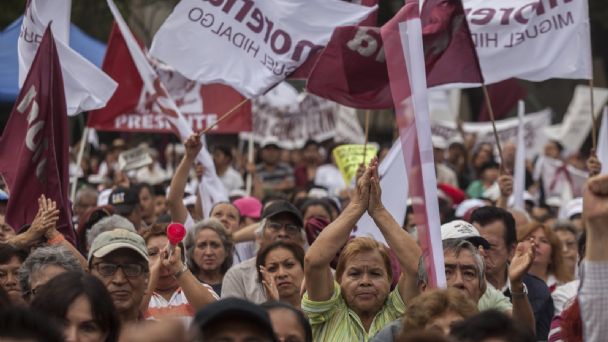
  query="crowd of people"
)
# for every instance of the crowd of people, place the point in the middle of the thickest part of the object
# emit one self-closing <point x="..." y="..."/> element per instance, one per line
<point x="283" y="262"/>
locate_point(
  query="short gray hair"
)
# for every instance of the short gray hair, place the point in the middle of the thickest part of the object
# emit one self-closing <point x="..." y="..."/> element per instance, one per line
<point x="221" y="231"/>
<point x="43" y="257"/>
<point x="456" y="246"/>
<point x="107" y="224"/>
<point x="85" y="191"/>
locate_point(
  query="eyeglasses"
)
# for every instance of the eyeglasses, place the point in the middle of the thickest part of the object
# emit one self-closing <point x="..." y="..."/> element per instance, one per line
<point x="107" y="269"/>
<point x="290" y="228"/>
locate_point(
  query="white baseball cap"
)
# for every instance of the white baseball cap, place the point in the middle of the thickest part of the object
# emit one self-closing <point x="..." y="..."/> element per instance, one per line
<point x="459" y="229"/>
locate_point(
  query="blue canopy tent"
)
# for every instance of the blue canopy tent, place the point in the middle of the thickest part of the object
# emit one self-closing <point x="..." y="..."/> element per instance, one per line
<point x="89" y="48"/>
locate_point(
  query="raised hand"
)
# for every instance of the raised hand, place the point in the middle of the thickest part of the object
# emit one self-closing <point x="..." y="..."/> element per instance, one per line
<point x="174" y="261"/>
<point x="593" y="165"/>
<point x="521" y="261"/>
<point x="193" y="146"/>
<point x="505" y="184"/>
<point x="46" y="218"/>
<point x="360" y="197"/>
<point x="271" y="287"/>
<point x="375" y="193"/>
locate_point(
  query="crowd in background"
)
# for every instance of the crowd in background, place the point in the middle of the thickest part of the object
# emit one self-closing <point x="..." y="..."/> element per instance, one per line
<point x="282" y="263"/>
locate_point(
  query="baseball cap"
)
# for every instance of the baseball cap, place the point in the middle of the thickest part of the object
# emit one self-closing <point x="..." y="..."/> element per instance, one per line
<point x="123" y="200"/>
<point x="110" y="241"/>
<point x="270" y="141"/>
<point x="439" y="142"/>
<point x="249" y="207"/>
<point x="233" y="308"/>
<point x="459" y="229"/>
<point x="573" y="207"/>
<point x="280" y="207"/>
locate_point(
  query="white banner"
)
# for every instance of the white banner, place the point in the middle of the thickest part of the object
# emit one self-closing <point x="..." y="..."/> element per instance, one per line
<point x="532" y="40"/>
<point x="576" y="124"/>
<point x="248" y="45"/>
<point x="507" y="131"/>
<point x="311" y="117"/>
<point x="86" y="87"/>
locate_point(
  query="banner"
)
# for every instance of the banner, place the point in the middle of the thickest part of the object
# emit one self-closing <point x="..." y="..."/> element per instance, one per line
<point x="348" y="158"/>
<point x="576" y="124"/>
<point x="507" y="131"/>
<point x="248" y="45"/>
<point x="531" y="40"/>
<point x="86" y="87"/>
<point x="134" y="159"/>
<point x="310" y="117"/>
<point x="34" y="146"/>
<point x="132" y="109"/>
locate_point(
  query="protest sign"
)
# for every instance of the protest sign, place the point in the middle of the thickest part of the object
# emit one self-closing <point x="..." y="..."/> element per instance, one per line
<point x="134" y="159"/>
<point x="348" y="158"/>
<point x="532" y="40"/>
<point x="576" y="124"/>
<point x="248" y="45"/>
<point x="308" y="117"/>
<point x="507" y="131"/>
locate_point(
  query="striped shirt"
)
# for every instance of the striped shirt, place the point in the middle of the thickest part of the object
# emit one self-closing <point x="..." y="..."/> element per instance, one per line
<point x="333" y="320"/>
<point x="176" y="307"/>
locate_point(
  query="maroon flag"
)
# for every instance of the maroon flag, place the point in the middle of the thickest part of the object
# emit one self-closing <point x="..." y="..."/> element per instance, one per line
<point x="34" y="144"/>
<point x="303" y="72"/>
<point x="504" y="96"/>
<point x="352" y="68"/>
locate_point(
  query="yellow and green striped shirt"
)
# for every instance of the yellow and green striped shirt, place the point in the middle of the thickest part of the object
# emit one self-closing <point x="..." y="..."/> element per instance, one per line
<point x="334" y="321"/>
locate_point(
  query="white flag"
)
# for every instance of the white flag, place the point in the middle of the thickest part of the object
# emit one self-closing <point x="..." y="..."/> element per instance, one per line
<point x="519" y="174"/>
<point x="211" y="188"/>
<point x="602" y="143"/>
<point x="86" y="87"/>
<point x="531" y="40"/>
<point x="394" y="184"/>
<point x="576" y="124"/>
<point x="249" y="45"/>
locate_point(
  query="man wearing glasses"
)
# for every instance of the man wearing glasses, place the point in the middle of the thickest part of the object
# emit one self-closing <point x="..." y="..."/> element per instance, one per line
<point x="119" y="258"/>
<point x="281" y="220"/>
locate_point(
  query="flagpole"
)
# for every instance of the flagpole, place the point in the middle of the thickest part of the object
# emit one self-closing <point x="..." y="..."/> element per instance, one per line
<point x="249" y="180"/>
<point x="367" y="112"/>
<point x="225" y="115"/>
<point x="83" y="142"/>
<point x="489" y="106"/>
<point x="593" y="121"/>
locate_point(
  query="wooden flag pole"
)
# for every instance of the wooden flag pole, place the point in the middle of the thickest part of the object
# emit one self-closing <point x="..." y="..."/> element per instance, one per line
<point x="83" y="142"/>
<point x="593" y="120"/>
<point x="491" y="111"/>
<point x="367" y="113"/>
<point x="225" y="115"/>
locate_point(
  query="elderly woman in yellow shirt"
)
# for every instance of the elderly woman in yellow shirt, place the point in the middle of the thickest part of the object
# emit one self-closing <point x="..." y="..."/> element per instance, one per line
<point x="358" y="302"/>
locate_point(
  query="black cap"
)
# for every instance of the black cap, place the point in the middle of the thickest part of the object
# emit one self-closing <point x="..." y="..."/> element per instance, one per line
<point x="234" y="308"/>
<point x="124" y="200"/>
<point x="280" y="207"/>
